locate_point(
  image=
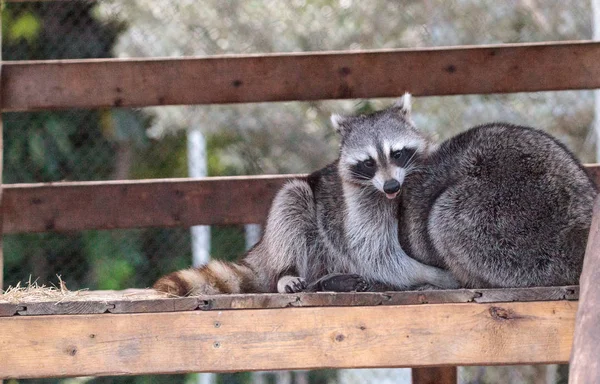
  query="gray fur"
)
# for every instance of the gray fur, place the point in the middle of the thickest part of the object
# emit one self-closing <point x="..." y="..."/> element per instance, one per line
<point x="500" y="206"/>
<point x="336" y="223"/>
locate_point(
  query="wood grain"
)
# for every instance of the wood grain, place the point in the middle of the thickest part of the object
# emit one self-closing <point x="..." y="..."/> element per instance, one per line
<point x="290" y="338"/>
<point x="72" y="206"/>
<point x="148" y="300"/>
<point x="102" y="83"/>
<point x="148" y="203"/>
<point x="585" y="366"/>
<point x="1" y="174"/>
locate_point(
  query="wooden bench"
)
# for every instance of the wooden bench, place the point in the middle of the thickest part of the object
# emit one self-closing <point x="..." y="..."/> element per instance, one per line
<point x="141" y="332"/>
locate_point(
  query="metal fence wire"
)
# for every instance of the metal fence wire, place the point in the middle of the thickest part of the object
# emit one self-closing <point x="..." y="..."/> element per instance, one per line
<point x="247" y="139"/>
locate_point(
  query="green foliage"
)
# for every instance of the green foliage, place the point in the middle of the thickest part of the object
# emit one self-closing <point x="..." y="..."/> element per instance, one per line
<point x="114" y="258"/>
<point x="227" y="243"/>
<point x="216" y="143"/>
<point x="162" y="158"/>
<point x="26" y="26"/>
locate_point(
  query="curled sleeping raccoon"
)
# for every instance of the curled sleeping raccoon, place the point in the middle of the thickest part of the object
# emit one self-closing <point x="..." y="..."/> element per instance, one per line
<point x="499" y="206"/>
<point x="341" y="220"/>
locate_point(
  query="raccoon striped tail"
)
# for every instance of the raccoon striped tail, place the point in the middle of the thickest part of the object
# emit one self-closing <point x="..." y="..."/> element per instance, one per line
<point x="213" y="278"/>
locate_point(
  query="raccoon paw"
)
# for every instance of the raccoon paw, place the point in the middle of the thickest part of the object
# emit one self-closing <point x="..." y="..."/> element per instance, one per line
<point x="341" y="282"/>
<point x="291" y="284"/>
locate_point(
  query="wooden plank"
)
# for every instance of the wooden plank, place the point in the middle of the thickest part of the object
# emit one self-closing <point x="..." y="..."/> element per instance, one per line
<point x="148" y="300"/>
<point x="162" y="305"/>
<point x="8" y="309"/>
<point x="145" y="203"/>
<point x="60" y="308"/>
<point x="290" y="338"/>
<point x="585" y="366"/>
<point x="101" y="83"/>
<point x="1" y="162"/>
<point x="435" y="375"/>
<point x="129" y="204"/>
<point x="43" y="1"/>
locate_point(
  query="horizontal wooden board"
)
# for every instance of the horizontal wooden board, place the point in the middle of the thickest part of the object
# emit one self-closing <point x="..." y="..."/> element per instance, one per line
<point x="130" y="204"/>
<point x="42" y="1"/>
<point x="100" y="83"/>
<point x="74" y="206"/>
<point x="148" y="300"/>
<point x="289" y="338"/>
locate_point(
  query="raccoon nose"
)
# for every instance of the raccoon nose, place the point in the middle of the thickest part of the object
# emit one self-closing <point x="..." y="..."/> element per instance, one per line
<point x="391" y="186"/>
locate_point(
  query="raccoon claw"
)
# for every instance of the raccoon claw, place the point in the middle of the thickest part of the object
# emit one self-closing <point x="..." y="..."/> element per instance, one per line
<point x="291" y="284"/>
<point x="362" y="286"/>
<point x="340" y="282"/>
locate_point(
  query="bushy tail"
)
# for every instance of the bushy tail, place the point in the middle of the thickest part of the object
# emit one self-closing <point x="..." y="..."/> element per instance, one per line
<point x="213" y="278"/>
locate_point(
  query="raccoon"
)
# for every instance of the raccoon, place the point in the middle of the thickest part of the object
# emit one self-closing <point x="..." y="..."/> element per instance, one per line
<point x="339" y="222"/>
<point x="499" y="205"/>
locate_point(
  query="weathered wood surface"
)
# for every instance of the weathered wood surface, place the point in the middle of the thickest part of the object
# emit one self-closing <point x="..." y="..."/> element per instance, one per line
<point x="45" y="1"/>
<point x="127" y="204"/>
<point x="1" y="171"/>
<point x="72" y="206"/>
<point x="585" y="362"/>
<point x="101" y="83"/>
<point x="434" y="375"/>
<point x="144" y="301"/>
<point x="290" y="338"/>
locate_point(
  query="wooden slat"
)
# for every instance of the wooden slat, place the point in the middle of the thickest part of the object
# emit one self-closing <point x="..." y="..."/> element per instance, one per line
<point x="100" y="83"/>
<point x="585" y="365"/>
<point x="148" y="300"/>
<point x="129" y="204"/>
<point x="1" y="164"/>
<point x="290" y="338"/>
<point x="44" y="1"/>
<point x="147" y="203"/>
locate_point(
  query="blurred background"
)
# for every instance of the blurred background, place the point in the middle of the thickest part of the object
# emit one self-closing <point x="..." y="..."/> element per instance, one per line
<point x="262" y="138"/>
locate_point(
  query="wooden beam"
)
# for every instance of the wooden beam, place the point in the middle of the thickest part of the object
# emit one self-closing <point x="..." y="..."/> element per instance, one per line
<point x="434" y="375"/>
<point x="72" y="206"/>
<point x="1" y="162"/>
<point x="148" y="300"/>
<point x="585" y="366"/>
<point x="290" y="338"/>
<point x="147" y="203"/>
<point x="44" y="1"/>
<point x="100" y="83"/>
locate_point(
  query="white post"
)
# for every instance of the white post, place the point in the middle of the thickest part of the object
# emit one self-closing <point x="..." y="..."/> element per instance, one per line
<point x="197" y="167"/>
<point x="196" y="151"/>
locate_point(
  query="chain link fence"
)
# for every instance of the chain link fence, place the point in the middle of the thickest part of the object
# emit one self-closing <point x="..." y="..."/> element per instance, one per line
<point x="144" y="143"/>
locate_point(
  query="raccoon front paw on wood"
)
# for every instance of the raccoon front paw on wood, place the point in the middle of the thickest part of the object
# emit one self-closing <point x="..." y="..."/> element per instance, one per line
<point x="340" y="282"/>
<point x="291" y="284"/>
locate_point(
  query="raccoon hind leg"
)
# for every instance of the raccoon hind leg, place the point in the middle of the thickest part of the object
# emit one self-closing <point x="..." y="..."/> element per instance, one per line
<point x="290" y="239"/>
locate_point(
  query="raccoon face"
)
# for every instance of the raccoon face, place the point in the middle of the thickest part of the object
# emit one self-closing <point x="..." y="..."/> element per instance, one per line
<point x="378" y="150"/>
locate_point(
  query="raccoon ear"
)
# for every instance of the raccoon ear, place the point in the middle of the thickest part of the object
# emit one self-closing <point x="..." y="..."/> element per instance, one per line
<point x="404" y="105"/>
<point x="339" y="122"/>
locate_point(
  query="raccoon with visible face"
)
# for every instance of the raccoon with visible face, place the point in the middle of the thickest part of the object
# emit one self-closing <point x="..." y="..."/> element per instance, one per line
<point x="498" y="205"/>
<point x="340" y="222"/>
